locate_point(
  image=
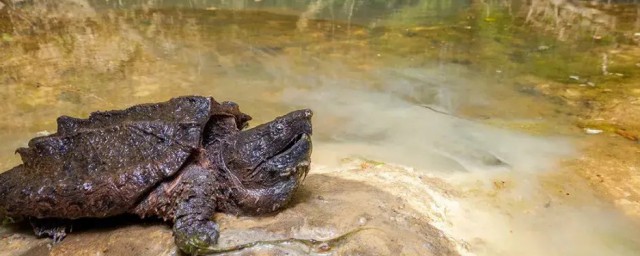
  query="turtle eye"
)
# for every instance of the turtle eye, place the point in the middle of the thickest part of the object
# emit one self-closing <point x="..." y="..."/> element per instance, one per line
<point x="277" y="130"/>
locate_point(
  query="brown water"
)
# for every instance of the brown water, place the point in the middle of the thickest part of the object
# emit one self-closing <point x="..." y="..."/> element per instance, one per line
<point x="424" y="87"/>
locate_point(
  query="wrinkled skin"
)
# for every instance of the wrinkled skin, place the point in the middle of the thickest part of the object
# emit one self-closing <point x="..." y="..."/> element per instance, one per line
<point x="180" y="160"/>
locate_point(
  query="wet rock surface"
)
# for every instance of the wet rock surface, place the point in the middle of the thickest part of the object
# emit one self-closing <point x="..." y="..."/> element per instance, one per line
<point x="329" y="205"/>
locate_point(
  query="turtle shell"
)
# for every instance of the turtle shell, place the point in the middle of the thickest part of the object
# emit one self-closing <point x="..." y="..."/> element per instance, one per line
<point x="103" y="165"/>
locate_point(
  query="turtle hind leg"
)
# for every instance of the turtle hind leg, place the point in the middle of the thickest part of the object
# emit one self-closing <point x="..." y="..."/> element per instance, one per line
<point x="54" y="228"/>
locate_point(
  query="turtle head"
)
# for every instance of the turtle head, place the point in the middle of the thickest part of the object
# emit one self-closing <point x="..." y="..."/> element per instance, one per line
<point x="269" y="162"/>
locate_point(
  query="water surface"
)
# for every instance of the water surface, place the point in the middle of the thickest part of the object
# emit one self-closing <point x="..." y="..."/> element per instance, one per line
<point x="442" y="87"/>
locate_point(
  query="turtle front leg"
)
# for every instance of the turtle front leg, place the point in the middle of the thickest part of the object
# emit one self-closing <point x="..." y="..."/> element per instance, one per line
<point x="195" y="232"/>
<point x="193" y="226"/>
<point x="55" y="228"/>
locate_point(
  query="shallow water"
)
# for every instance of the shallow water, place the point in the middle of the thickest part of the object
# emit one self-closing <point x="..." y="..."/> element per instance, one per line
<point x="435" y="86"/>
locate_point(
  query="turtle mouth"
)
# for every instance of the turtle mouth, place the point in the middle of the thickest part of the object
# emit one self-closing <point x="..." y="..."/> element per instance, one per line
<point x="293" y="158"/>
<point x="300" y="149"/>
<point x="296" y="141"/>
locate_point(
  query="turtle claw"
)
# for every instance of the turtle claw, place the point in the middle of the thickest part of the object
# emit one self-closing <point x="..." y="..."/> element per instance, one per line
<point x="54" y="228"/>
<point x="59" y="234"/>
<point x="192" y="236"/>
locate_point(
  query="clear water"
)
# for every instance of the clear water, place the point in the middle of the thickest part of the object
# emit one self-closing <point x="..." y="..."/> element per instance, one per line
<point x="433" y="85"/>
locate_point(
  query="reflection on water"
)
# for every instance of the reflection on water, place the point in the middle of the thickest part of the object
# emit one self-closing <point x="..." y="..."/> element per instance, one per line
<point x="416" y="83"/>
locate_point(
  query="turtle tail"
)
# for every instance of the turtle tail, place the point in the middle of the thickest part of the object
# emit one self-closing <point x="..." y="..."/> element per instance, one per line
<point x="7" y="185"/>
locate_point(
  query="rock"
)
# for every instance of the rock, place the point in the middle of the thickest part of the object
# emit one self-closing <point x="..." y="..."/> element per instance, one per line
<point x="391" y="226"/>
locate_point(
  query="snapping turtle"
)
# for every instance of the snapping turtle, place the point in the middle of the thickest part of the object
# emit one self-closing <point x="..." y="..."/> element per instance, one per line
<point x="180" y="160"/>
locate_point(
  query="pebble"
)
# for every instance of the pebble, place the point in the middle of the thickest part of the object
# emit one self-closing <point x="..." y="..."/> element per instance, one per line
<point x="592" y="131"/>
